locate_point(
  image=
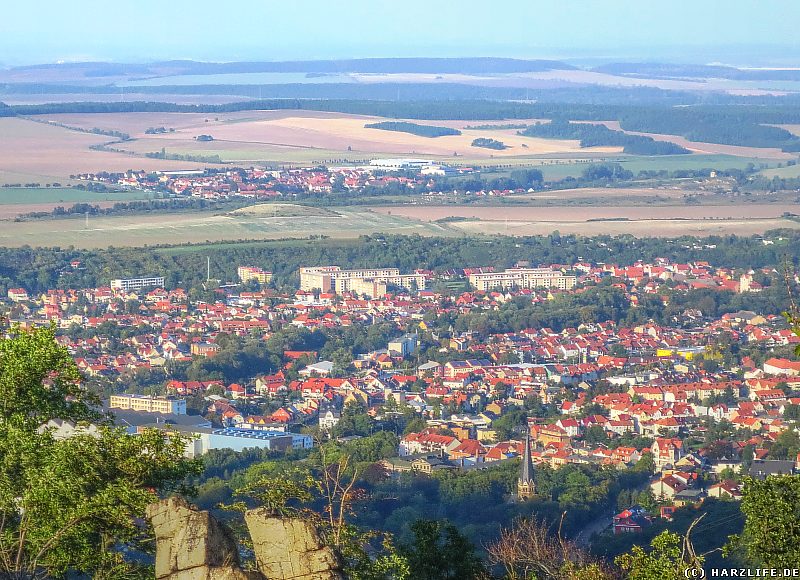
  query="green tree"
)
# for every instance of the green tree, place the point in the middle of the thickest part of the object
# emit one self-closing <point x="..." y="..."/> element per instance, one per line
<point x="440" y="552"/>
<point x="664" y="561"/>
<point x="354" y="421"/>
<point x="646" y="463"/>
<point x="74" y="503"/>
<point x="786" y="446"/>
<point x="728" y="474"/>
<point x="415" y="425"/>
<point x="596" y="435"/>
<point x="39" y="381"/>
<point x="71" y="504"/>
<point x="747" y="458"/>
<point x="771" y="535"/>
<point x="323" y="494"/>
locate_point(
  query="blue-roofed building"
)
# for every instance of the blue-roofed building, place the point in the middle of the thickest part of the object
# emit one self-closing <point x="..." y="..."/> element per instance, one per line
<point x="206" y="439"/>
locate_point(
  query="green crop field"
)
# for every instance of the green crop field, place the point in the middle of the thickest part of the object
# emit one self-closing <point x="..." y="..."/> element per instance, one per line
<point x="693" y="162"/>
<point x="213" y="230"/>
<point x="784" y="172"/>
<point x="206" y="227"/>
<point x="67" y="195"/>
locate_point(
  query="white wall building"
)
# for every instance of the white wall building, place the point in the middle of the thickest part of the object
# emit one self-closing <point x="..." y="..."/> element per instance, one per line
<point x="137" y="283"/>
<point x="527" y="278"/>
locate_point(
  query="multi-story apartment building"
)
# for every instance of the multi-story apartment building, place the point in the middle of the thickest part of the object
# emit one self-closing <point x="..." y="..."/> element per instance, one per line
<point x="148" y="404"/>
<point x="137" y="283"/>
<point x="369" y="281"/>
<point x="247" y="273"/>
<point x="522" y="278"/>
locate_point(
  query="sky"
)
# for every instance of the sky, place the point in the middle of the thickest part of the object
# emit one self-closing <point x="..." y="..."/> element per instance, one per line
<point x="43" y="31"/>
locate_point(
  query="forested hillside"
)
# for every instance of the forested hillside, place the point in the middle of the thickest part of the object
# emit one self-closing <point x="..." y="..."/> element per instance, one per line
<point x="591" y="135"/>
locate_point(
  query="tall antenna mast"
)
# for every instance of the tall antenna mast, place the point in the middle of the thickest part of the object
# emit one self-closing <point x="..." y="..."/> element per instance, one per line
<point x="208" y="268"/>
<point x="87" y="220"/>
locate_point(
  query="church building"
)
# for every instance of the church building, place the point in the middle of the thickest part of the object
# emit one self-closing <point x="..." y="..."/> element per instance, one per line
<point x="526" y="487"/>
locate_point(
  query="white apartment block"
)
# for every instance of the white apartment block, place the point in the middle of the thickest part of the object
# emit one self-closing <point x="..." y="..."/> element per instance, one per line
<point x="523" y="278"/>
<point x="137" y="283"/>
<point x="148" y="404"/>
<point x="369" y="281"/>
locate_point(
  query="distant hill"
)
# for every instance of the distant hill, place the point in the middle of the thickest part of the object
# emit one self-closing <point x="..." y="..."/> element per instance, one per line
<point x="666" y="70"/>
<point x="366" y="65"/>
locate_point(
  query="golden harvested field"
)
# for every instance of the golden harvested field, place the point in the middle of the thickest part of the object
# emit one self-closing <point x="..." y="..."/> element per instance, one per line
<point x="281" y="135"/>
<point x="337" y="132"/>
<point x="135" y="124"/>
<point x="35" y="150"/>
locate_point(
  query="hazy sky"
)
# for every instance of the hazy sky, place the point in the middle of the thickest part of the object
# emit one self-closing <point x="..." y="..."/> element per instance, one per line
<point x="140" y="30"/>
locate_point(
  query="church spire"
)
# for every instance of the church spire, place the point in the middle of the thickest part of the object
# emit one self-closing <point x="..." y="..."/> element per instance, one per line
<point x="526" y="487"/>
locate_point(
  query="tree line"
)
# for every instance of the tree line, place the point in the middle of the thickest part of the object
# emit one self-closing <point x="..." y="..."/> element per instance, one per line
<point x="40" y="269"/>
<point x="591" y="135"/>
<point x="414" y="128"/>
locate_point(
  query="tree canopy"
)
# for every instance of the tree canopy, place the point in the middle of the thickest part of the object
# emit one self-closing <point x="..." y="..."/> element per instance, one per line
<point x="72" y="503"/>
<point x="39" y="381"/>
<point x="771" y="535"/>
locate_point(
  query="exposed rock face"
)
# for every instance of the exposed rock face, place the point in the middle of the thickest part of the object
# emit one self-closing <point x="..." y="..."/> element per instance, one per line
<point x="290" y="548"/>
<point x="192" y="545"/>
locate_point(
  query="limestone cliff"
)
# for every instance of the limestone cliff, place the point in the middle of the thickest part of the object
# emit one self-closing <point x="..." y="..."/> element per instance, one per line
<point x="192" y="545"/>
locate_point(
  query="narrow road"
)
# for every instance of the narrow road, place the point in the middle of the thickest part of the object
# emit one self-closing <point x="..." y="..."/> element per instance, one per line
<point x="594" y="527"/>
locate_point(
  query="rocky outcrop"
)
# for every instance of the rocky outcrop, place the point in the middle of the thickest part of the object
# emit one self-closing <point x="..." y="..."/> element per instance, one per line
<point x="290" y="548"/>
<point x="192" y="545"/>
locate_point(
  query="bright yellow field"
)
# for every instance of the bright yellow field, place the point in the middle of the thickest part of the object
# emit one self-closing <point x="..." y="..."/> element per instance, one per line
<point x="309" y="135"/>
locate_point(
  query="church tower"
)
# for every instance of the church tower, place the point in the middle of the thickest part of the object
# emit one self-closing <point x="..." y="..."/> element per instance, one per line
<point x="526" y="487"/>
<point x="745" y="281"/>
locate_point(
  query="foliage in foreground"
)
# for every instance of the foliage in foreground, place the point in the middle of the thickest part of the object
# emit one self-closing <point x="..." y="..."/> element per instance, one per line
<point x="771" y="536"/>
<point x="665" y="561"/>
<point x="74" y="504"/>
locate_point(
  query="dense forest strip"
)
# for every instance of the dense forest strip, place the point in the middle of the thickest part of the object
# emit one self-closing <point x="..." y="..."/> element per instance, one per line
<point x="591" y="135"/>
<point x="727" y="125"/>
<point x="40" y="269"/>
<point x="414" y="128"/>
